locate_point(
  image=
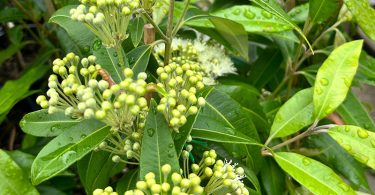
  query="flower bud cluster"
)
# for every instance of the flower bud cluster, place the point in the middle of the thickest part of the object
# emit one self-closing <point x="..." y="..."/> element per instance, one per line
<point x="180" y="86"/>
<point x="106" y="191"/>
<point x="107" y="19"/>
<point x="210" y="176"/>
<point x="75" y="90"/>
<point x="211" y="57"/>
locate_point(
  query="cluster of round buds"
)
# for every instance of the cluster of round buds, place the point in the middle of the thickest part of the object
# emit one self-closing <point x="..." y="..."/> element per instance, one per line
<point x="182" y="51"/>
<point x="106" y="191"/>
<point x="108" y="19"/>
<point x="179" y="86"/>
<point x="63" y="95"/>
<point x="210" y="176"/>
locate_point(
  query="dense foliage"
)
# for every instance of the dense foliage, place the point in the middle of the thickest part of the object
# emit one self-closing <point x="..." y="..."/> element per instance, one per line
<point x="186" y="97"/>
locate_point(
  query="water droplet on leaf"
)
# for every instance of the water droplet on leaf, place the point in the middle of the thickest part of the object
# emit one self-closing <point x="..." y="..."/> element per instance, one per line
<point x="306" y="161"/>
<point x="150" y="132"/>
<point x="324" y="81"/>
<point x="362" y="133"/>
<point x="97" y="45"/>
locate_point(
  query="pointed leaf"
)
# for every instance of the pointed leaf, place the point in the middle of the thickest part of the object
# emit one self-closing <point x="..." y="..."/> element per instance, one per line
<point x="335" y="77"/>
<point x="357" y="141"/>
<point x="139" y="57"/>
<point x="322" y="10"/>
<point x="127" y="181"/>
<point x="157" y="146"/>
<point x="299" y="13"/>
<point x="66" y="149"/>
<point x="353" y="112"/>
<point x="13" y="180"/>
<point x="136" y="30"/>
<point x="364" y="14"/>
<point x="108" y="59"/>
<point x="315" y="176"/>
<point x="40" y="123"/>
<point x="295" y="114"/>
<point x="96" y="169"/>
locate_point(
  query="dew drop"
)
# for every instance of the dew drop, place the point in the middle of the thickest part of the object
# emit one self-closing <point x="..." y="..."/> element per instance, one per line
<point x="361" y="158"/>
<point x="170" y="155"/>
<point x="267" y="14"/>
<point x="249" y="14"/>
<point x="170" y="145"/>
<point x="150" y="132"/>
<point x="86" y="49"/>
<point x="362" y="133"/>
<point x="347" y="129"/>
<point x="70" y="138"/>
<point x="67" y="156"/>
<point x="347" y="82"/>
<point x="97" y="45"/>
<point x="347" y="147"/>
<point x="83" y="136"/>
<point x="306" y="161"/>
<point x="115" y="54"/>
<point x="237" y="12"/>
<point x="324" y="81"/>
<point x="318" y="91"/>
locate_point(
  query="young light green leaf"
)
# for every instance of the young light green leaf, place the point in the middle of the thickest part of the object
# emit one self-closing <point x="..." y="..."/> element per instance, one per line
<point x="157" y="146"/>
<point x="357" y="141"/>
<point x="139" y="58"/>
<point x="335" y="77"/>
<point x="299" y="13"/>
<point x="13" y="180"/>
<point x="136" y="30"/>
<point x="108" y="59"/>
<point x="322" y="10"/>
<point x="364" y="14"/>
<point x="353" y="112"/>
<point x="315" y="176"/>
<point x="295" y="114"/>
<point x="96" y="169"/>
<point x="40" y="123"/>
<point x="127" y="181"/>
<point x="81" y="35"/>
<point x="274" y="8"/>
<point x="333" y="155"/>
<point x="66" y="149"/>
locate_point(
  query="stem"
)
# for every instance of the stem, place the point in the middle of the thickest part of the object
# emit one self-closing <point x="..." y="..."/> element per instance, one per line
<point x="310" y="130"/>
<point x="178" y="25"/>
<point x="151" y="21"/>
<point x="169" y="33"/>
<point x="120" y="55"/>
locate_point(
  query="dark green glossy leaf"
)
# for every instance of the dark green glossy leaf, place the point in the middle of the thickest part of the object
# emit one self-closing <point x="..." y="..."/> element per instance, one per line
<point x="108" y="59"/>
<point x="95" y="170"/>
<point x="333" y="155"/>
<point x="299" y="13"/>
<point x="295" y="114"/>
<point x="364" y="14"/>
<point x="335" y="77"/>
<point x="322" y="10"/>
<point x="66" y="149"/>
<point x="40" y="123"/>
<point x="15" y="90"/>
<point x="157" y="146"/>
<point x="272" y="177"/>
<point x="136" y="30"/>
<point x="315" y="176"/>
<point x="357" y="141"/>
<point x="10" y="14"/>
<point x="127" y="181"/>
<point x="353" y="112"/>
<point x="139" y="58"/>
<point x="23" y="160"/>
<point x="81" y="35"/>
<point x="13" y="180"/>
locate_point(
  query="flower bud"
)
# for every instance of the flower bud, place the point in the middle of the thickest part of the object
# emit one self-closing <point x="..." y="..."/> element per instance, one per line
<point x="106" y="105"/>
<point x="193" y="110"/>
<point x="165" y="187"/>
<point x="176" y="178"/>
<point x="103" y="85"/>
<point x="195" y="168"/>
<point x="176" y="190"/>
<point x="150" y="175"/>
<point x="141" y="185"/>
<point x="128" y="73"/>
<point x="166" y="169"/>
<point x="208" y="171"/>
<point x="116" y="159"/>
<point x="185" y="183"/>
<point x="89" y="113"/>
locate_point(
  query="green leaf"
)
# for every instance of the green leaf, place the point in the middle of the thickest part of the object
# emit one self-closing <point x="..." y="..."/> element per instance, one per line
<point x="15" y="90"/>
<point x="66" y="149"/>
<point x="81" y="35"/>
<point x="353" y="112"/>
<point x="322" y="10"/>
<point x="136" y="30"/>
<point x="366" y="69"/>
<point x="335" y="77"/>
<point x="223" y="136"/>
<point x="10" y="14"/>
<point x="315" y="176"/>
<point x="40" y="123"/>
<point x="333" y="155"/>
<point x="295" y="114"/>
<point x="234" y="33"/>
<point x="364" y="14"/>
<point x="95" y="170"/>
<point x="108" y="59"/>
<point x="299" y="13"/>
<point x="127" y="181"/>
<point x="274" y="8"/>
<point x="357" y="141"/>
<point x="139" y="58"/>
<point x="13" y="180"/>
<point x="272" y="177"/>
<point x="157" y="146"/>
<point x="23" y="160"/>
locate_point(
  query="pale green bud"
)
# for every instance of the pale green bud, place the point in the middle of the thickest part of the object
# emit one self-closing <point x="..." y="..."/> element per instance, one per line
<point x="176" y="178"/>
<point x="156" y="188"/>
<point x="161" y="107"/>
<point x="165" y="187"/>
<point x="149" y="176"/>
<point x="103" y="85"/>
<point x="115" y="88"/>
<point x="183" y="120"/>
<point x="198" y="190"/>
<point x="84" y="72"/>
<point x="208" y="171"/>
<point x="195" y="168"/>
<point x="129" y="154"/>
<point x="93" y="83"/>
<point x="200" y="85"/>
<point x="142" y="76"/>
<point x="176" y="190"/>
<point x="107" y="94"/>
<point x="201" y="101"/>
<point x="81" y="106"/>
<point x="189" y="148"/>
<point x="126" y="11"/>
<point x="174" y="122"/>
<point x="128" y="73"/>
<point x="106" y="105"/>
<point x="163" y="76"/>
<point x="130" y="100"/>
<point x="136" y="146"/>
<point x="44" y="104"/>
<point x="185" y="183"/>
<point x="193" y="110"/>
<point x="135" y="109"/>
<point x="159" y="70"/>
<point x="166" y="169"/>
<point x="116" y="159"/>
<point x="142" y="102"/>
<point x="185" y="93"/>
